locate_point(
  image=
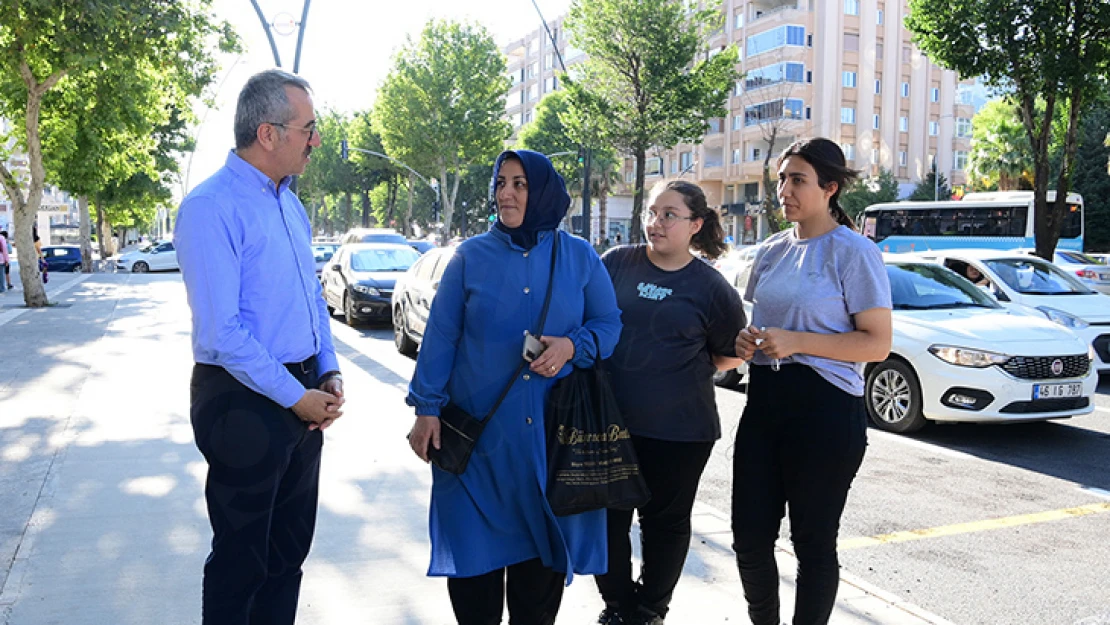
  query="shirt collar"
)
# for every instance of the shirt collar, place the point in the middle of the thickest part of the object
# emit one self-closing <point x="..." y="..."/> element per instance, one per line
<point x="252" y="174"/>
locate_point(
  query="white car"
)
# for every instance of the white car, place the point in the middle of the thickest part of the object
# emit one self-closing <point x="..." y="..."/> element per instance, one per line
<point x="1034" y="286"/>
<point x="1103" y="259"/>
<point x="1089" y="270"/>
<point x="958" y="355"/>
<point x="158" y="256"/>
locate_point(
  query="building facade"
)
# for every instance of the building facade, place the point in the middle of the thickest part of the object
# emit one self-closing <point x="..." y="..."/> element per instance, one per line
<point x="842" y="69"/>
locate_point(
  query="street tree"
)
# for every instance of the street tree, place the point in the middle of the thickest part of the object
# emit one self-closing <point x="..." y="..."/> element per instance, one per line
<point x="1000" y="156"/>
<point x="930" y="188"/>
<point x="47" y="46"/>
<point x="867" y="191"/>
<point x="441" y="108"/>
<point x="1091" y="178"/>
<point x="648" y="80"/>
<point x="1054" y="51"/>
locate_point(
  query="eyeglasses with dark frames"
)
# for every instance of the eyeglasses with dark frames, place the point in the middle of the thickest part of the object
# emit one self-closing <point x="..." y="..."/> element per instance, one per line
<point x="310" y="128"/>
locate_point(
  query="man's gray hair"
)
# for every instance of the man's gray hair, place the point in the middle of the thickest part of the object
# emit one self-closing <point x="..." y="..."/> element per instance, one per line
<point x="263" y="100"/>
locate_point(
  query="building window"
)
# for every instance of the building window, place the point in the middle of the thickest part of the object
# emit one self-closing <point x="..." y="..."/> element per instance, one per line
<point x="548" y="60"/>
<point x="875" y="121"/>
<point x="875" y="156"/>
<point x="934" y="95"/>
<point x="847" y="115"/>
<point x="735" y="156"/>
<point x="878" y="86"/>
<point x="851" y="42"/>
<point x="959" y="161"/>
<point x="963" y="127"/>
<point x="934" y="129"/>
<point x="904" y="124"/>
<point x="849" y="79"/>
<point x="905" y="90"/>
<point x="851" y="7"/>
<point x="902" y="158"/>
<point x="788" y="108"/>
<point x="737" y="122"/>
<point x="879" y="17"/>
<point x="674" y="166"/>
<point x="527" y="116"/>
<point x="738" y="23"/>
<point x="685" y="160"/>
<point x="653" y="166"/>
<point x="531" y="70"/>
<point x="754" y="154"/>
<point x="533" y="92"/>
<point x="964" y="94"/>
<point x="630" y="176"/>
<point x="773" y="74"/>
<point x="786" y="35"/>
<point x="849" y="151"/>
<point x="738" y="88"/>
<point x="551" y="84"/>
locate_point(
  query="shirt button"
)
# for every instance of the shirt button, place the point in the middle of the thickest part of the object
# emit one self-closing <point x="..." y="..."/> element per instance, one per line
<point x="527" y="290"/>
<point x="527" y="377"/>
<point x="526" y="254"/>
<point x="528" y="420"/>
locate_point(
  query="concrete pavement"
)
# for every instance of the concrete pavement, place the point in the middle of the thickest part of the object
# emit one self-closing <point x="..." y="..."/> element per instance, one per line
<point x="102" y="516"/>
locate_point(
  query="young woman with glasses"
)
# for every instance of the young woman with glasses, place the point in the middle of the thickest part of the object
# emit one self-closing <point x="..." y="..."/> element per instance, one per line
<point x="681" y="319"/>
<point x="821" y="309"/>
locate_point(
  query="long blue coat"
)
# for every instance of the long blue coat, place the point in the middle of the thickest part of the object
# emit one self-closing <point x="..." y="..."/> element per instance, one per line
<point x="496" y="513"/>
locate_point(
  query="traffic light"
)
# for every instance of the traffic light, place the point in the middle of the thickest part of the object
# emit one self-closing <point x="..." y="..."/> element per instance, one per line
<point x="343" y="149"/>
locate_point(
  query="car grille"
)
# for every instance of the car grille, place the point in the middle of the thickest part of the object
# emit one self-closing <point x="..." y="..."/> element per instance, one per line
<point x="386" y="293"/>
<point x="1040" y="367"/>
<point x="1102" y="347"/>
<point x="1046" y="405"/>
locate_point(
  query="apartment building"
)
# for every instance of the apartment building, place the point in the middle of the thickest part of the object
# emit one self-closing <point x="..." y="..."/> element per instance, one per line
<point x="842" y="69"/>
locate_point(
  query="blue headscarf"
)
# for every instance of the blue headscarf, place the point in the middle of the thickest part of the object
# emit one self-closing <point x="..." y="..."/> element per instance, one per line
<point x="548" y="200"/>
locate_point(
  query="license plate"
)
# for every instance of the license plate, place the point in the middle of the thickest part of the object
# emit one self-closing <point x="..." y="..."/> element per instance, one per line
<point x="1057" y="391"/>
<point x="1104" y="276"/>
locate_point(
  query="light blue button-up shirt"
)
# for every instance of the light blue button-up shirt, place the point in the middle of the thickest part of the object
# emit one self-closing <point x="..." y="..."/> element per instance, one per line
<point x="244" y="246"/>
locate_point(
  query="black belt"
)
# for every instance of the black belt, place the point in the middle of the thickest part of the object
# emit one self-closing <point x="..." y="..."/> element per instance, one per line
<point x="305" y="367"/>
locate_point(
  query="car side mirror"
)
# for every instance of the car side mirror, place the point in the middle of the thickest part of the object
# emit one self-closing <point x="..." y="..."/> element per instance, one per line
<point x="336" y="268"/>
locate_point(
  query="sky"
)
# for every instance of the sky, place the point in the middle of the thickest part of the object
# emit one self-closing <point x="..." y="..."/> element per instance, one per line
<point x="347" y="52"/>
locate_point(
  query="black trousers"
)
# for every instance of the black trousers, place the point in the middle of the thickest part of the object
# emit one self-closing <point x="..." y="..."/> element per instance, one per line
<point x="534" y="594"/>
<point x="800" y="442"/>
<point x="672" y="471"/>
<point x="261" y="491"/>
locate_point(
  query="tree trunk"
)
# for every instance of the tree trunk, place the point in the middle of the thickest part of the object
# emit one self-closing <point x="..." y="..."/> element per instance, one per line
<point x="1045" y="228"/>
<point x="408" y="211"/>
<point x="348" y="210"/>
<point x="603" y="211"/>
<point x="770" y="202"/>
<point x="636" y="230"/>
<point x="86" y="233"/>
<point x="365" y="208"/>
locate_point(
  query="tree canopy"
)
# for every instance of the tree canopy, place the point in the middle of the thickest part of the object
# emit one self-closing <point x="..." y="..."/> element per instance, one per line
<point x="867" y="191"/>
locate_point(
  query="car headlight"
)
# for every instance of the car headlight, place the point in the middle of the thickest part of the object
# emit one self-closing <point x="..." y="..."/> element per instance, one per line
<point x="1065" y="319"/>
<point x="369" y="290"/>
<point x="963" y="357"/>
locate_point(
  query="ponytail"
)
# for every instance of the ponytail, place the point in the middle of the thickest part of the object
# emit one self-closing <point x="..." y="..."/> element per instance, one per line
<point x="838" y="213"/>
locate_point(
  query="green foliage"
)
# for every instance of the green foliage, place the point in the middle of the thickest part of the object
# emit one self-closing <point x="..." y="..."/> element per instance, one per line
<point x="441" y="108"/>
<point x="547" y="133"/>
<point x="872" y="190"/>
<point x="929" y="189"/>
<point x="1000" y="156"/>
<point x="646" y="82"/>
<point x="1050" y="52"/>
<point x="1092" y="180"/>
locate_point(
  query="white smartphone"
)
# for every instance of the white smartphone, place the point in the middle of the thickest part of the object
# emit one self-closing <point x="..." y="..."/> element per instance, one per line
<point x="532" y="347"/>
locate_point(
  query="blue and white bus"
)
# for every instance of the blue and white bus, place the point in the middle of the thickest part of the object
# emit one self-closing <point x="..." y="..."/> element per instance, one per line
<point x="996" y="220"/>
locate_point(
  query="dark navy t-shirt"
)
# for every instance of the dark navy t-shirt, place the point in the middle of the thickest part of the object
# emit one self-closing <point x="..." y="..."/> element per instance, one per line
<point x="662" y="369"/>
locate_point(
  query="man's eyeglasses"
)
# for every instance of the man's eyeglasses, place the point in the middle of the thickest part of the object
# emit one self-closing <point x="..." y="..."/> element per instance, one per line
<point x="668" y="218"/>
<point x="310" y="128"/>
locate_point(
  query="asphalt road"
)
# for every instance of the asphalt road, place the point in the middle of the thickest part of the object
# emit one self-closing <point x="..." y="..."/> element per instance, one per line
<point x="1005" y="524"/>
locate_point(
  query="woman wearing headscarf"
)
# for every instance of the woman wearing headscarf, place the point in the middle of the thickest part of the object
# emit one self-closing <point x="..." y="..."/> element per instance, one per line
<point x="493" y="521"/>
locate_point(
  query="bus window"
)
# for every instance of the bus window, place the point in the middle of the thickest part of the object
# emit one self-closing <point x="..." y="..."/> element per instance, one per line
<point x="1073" y="223"/>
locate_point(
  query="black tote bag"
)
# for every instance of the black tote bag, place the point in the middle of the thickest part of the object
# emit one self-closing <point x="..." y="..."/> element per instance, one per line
<point x="590" y="458"/>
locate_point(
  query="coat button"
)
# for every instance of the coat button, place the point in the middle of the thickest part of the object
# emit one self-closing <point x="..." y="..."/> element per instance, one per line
<point x="528" y="420"/>
<point x="527" y="290"/>
<point x="526" y="254"/>
<point x="527" y="377"/>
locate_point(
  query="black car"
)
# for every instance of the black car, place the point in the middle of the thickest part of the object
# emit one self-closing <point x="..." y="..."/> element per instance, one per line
<point x="62" y="257"/>
<point x="359" y="279"/>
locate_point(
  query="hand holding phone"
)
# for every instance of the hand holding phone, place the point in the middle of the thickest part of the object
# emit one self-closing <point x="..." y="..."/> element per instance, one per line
<point x="532" y="347"/>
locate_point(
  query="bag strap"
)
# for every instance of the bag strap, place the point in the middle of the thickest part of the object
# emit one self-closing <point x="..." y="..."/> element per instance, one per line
<point x="539" y="329"/>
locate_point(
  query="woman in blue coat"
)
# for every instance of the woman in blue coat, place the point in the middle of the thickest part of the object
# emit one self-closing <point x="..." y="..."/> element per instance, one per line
<point x="493" y="521"/>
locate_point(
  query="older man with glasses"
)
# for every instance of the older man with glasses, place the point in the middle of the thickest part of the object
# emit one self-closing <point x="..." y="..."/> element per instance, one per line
<point x="266" y="380"/>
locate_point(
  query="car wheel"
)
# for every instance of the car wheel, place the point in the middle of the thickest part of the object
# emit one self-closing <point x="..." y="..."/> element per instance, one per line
<point x="140" y="267"/>
<point x="893" y="397"/>
<point x="349" y="312"/>
<point x="727" y="379"/>
<point x="76" y="268"/>
<point x="401" y="337"/>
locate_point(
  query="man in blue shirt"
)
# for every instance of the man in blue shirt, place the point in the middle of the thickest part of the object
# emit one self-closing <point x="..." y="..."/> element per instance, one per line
<point x="266" y="382"/>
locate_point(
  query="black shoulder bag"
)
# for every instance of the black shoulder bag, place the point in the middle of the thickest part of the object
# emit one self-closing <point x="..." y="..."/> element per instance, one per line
<point x="459" y="431"/>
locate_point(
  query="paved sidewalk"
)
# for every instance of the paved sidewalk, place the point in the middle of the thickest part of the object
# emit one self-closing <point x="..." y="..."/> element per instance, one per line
<point x="102" y="515"/>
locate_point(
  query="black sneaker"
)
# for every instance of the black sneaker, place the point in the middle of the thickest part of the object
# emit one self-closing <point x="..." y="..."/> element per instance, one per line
<point x="610" y="616"/>
<point x="643" y="617"/>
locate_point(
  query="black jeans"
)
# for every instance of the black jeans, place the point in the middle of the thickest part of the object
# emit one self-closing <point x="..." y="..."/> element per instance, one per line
<point x="800" y="442"/>
<point x="672" y="471"/>
<point x="261" y="491"/>
<point x="534" y="595"/>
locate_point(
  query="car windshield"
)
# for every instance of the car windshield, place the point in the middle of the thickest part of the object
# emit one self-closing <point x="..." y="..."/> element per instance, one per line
<point x="1077" y="258"/>
<point x="323" y="252"/>
<point x="398" y="259"/>
<point x="148" y="248"/>
<point x="1033" y="276"/>
<point x="923" y="286"/>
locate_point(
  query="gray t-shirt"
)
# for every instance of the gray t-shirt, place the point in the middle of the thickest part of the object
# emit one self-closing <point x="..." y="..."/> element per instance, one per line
<point x="816" y="285"/>
<point x="674" y="322"/>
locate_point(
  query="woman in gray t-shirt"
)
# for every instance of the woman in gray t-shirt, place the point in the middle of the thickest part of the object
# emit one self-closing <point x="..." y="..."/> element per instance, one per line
<point x="821" y="309"/>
